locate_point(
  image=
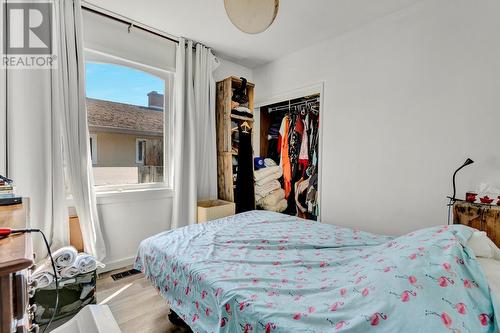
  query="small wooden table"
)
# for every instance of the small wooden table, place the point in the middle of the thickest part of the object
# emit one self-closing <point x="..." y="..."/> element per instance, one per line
<point x="479" y="216"/>
<point x="16" y="256"/>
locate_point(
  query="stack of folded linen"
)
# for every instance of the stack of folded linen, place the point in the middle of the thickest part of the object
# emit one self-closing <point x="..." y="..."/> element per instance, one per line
<point x="268" y="192"/>
<point x="69" y="263"/>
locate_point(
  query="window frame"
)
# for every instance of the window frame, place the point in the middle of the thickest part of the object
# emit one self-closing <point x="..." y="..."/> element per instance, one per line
<point x="93" y="148"/>
<point x="168" y="134"/>
<point x="142" y="141"/>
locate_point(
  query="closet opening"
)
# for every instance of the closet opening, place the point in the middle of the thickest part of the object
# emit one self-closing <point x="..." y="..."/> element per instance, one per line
<point x="289" y="138"/>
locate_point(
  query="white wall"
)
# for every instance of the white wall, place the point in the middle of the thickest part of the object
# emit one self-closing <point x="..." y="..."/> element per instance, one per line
<point x="129" y="218"/>
<point x="229" y="68"/>
<point x="407" y="98"/>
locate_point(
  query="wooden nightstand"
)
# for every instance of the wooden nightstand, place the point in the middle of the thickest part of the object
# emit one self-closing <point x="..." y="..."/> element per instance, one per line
<point x="482" y="217"/>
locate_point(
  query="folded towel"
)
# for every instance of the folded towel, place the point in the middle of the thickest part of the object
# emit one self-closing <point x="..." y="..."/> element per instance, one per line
<point x="269" y="162"/>
<point x="69" y="272"/>
<point x="82" y="263"/>
<point x="262" y="173"/>
<point x="85" y="263"/>
<point x="271" y="177"/>
<point x="43" y="275"/>
<point x="272" y="199"/>
<point x="262" y="190"/>
<point x="64" y="257"/>
<point x="279" y="207"/>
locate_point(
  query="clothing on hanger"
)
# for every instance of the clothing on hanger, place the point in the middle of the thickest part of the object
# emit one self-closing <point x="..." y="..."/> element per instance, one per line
<point x="285" y="158"/>
<point x="245" y="191"/>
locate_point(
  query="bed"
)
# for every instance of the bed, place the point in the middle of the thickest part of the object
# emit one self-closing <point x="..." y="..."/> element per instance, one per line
<point x="267" y="272"/>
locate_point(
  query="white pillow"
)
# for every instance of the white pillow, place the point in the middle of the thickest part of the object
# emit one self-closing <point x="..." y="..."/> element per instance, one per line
<point x="482" y="245"/>
<point x="495" y="249"/>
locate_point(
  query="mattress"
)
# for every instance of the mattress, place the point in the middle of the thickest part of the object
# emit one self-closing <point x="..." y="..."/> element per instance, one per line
<point x="491" y="268"/>
<point x="267" y="272"/>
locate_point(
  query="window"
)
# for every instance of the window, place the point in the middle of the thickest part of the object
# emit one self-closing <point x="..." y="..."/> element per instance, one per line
<point x="93" y="148"/>
<point x="140" y="148"/>
<point x="127" y="114"/>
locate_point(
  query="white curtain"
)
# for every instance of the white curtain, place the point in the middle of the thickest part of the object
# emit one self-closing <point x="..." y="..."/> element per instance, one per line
<point x="195" y="155"/>
<point x="68" y="95"/>
<point x="48" y="134"/>
<point x="206" y="150"/>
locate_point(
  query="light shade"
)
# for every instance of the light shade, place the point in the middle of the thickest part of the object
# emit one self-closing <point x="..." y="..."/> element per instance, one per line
<point x="468" y="161"/>
<point x="252" y="16"/>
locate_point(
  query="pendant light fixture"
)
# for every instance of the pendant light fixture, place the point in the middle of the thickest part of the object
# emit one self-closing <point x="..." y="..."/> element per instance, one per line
<point x="252" y="16"/>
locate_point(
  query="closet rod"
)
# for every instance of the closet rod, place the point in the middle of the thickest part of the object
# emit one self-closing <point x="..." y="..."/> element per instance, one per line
<point x="287" y="107"/>
<point x="122" y="19"/>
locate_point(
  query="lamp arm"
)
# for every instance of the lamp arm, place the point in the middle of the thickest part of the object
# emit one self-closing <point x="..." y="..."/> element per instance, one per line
<point x="454" y="186"/>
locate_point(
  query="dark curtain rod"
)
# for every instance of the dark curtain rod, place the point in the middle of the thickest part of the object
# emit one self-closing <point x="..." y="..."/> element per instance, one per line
<point x="127" y="23"/>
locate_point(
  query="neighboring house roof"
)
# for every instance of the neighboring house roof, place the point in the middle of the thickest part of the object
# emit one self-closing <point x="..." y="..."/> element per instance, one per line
<point x="124" y="118"/>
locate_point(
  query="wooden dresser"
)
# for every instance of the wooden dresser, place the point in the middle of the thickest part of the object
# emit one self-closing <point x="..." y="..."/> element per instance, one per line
<point x="16" y="261"/>
<point x="482" y="217"/>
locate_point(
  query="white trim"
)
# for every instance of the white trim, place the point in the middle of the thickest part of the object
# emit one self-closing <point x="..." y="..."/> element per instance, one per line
<point x="316" y="88"/>
<point x="93" y="148"/>
<point x="144" y="194"/>
<point x="168" y="139"/>
<point x="130" y="187"/>
<point x="121" y="263"/>
<point x="111" y="197"/>
<point x="102" y="57"/>
<point x="140" y="142"/>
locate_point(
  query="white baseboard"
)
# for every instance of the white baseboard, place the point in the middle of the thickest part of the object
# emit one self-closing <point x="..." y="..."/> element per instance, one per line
<point x="117" y="264"/>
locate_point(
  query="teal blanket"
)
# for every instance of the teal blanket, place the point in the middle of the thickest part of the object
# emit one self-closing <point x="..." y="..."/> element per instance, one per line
<point x="267" y="272"/>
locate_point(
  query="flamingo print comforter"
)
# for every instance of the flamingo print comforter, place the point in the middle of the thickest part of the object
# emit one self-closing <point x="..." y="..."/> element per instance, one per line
<point x="267" y="272"/>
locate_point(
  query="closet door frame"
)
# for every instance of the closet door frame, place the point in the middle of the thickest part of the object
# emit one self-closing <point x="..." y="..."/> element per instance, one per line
<point x="316" y="88"/>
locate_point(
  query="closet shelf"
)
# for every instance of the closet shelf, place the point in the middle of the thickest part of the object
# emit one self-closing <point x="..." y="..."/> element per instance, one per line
<point x="234" y="116"/>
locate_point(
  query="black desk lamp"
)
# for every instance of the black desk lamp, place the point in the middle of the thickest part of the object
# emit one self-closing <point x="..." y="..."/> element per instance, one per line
<point x="467" y="162"/>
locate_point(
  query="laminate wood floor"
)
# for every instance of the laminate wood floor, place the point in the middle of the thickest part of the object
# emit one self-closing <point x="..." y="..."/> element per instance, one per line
<point x="135" y="304"/>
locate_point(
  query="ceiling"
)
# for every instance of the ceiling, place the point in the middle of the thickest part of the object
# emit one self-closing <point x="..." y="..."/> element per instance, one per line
<point x="299" y="23"/>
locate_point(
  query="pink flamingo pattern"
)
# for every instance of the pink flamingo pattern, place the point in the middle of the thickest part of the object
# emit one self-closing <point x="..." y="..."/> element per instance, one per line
<point x="267" y="272"/>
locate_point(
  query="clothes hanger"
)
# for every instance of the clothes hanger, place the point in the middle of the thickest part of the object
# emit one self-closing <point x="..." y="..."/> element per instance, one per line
<point x="246" y="128"/>
<point x="303" y="110"/>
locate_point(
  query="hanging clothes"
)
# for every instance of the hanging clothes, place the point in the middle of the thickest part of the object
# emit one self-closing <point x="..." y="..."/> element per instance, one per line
<point x="300" y="197"/>
<point x="296" y="148"/>
<point x="312" y="196"/>
<point x="283" y="147"/>
<point x="304" y="146"/>
<point x="245" y="191"/>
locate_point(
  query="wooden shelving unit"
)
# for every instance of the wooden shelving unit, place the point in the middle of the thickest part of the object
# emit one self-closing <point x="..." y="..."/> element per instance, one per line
<point x="225" y="173"/>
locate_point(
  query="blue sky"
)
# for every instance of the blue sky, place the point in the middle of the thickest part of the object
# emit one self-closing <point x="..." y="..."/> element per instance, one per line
<point x="120" y="84"/>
